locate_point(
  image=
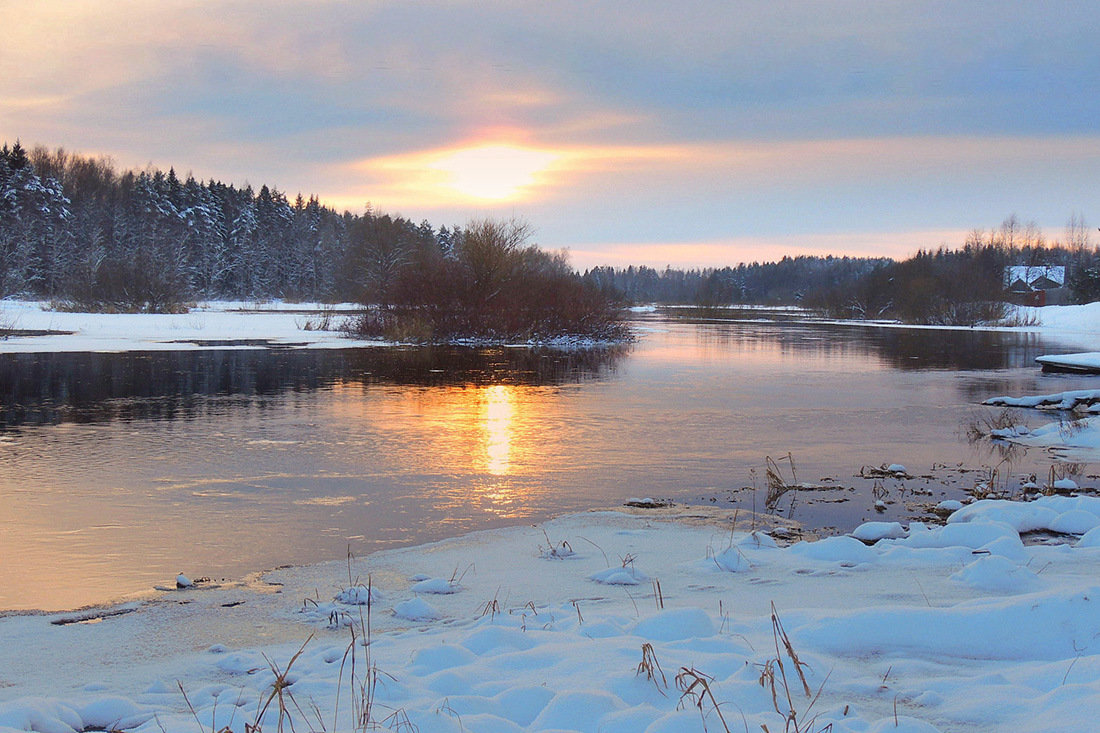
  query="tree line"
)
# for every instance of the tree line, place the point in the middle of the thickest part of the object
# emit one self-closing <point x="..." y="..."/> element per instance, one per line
<point x="961" y="285"/>
<point x="967" y="285"/>
<point x="791" y="280"/>
<point x="75" y="230"/>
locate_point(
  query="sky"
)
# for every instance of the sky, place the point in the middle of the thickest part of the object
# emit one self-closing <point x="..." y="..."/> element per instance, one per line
<point x="630" y="132"/>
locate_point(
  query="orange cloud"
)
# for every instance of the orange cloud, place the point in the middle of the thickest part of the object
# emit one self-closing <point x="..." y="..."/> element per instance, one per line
<point x="497" y="171"/>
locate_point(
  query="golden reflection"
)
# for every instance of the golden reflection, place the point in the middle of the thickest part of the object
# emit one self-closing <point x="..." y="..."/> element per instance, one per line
<point x="480" y="440"/>
<point x="499" y="410"/>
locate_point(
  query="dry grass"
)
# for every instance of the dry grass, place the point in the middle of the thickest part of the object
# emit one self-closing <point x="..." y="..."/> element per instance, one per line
<point x="774" y="676"/>
<point x="778" y="485"/>
<point x="278" y="693"/>
<point x="555" y="550"/>
<point x="982" y="427"/>
<point x="491" y="608"/>
<point x="363" y="678"/>
<point x="652" y="668"/>
<point x="324" y="320"/>
<point x="695" y="690"/>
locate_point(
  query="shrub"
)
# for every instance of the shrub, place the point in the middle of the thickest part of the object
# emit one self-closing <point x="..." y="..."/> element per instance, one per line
<point x="494" y="287"/>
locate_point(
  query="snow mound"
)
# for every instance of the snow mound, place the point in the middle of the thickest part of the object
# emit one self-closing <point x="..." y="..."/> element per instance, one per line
<point x="997" y="574"/>
<point x="358" y="595"/>
<point x="436" y="586"/>
<point x="875" y="531"/>
<point x="843" y="550"/>
<point x="948" y="621"/>
<point x="1065" y="514"/>
<point x="40" y="715"/>
<point x="1090" y="538"/>
<point x="676" y="625"/>
<point x="619" y="576"/>
<point x="416" y="609"/>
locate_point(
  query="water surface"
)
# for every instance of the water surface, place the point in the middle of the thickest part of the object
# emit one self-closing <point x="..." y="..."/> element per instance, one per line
<point x="119" y="470"/>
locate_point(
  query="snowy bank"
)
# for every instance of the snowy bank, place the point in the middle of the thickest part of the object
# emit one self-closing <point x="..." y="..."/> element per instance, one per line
<point x="223" y="324"/>
<point x="209" y="325"/>
<point x="962" y="627"/>
<point x="1088" y="362"/>
<point x="1073" y="439"/>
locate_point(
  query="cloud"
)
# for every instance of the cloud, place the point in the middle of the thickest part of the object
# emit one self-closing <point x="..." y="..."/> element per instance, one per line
<point x="694" y="122"/>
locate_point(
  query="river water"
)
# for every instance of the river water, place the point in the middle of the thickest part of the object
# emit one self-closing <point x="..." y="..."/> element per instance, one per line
<point x="119" y="470"/>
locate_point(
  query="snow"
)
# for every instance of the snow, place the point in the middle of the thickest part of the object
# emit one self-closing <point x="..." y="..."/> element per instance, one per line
<point x="416" y="609"/>
<point x="358" y="595"/>
<point x="916" y="628"/>
<point x="436" y="586"/>
<point x="1068" y="400"/>
<point x="1082" y="319"/>
<point x="284" y="324"/>
<point x="962" y="627"/>
<point x="1088" y="361"/>
<point x="274" y="323"/>
<point x="1029" y="274"/>
<point x="874" y="531"/>
<point x="208" y="325"/>
<point x="1078" y="440"/>
<point x="1075" y="439"/>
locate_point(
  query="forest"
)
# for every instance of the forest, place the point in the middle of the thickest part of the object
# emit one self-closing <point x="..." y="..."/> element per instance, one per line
<point x="789" y="281"/>
<point x="76" y="231"/>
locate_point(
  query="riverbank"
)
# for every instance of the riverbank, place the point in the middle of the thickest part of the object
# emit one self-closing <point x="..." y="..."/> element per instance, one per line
<point x="601" y="621"/>
<point x="243" y="324"/>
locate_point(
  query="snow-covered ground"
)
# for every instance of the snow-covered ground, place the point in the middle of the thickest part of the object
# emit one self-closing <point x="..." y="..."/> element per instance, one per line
<point x="209" y="325"/>
<point x="1088" y="361"/>
<point x="294" y="325"/>
<point x="608" y="622"/>
<point x="1073" y="437"/>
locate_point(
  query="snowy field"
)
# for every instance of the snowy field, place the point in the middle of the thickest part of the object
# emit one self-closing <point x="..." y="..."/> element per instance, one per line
<point x="261" y="324"/>
<point x="607" y="622"/>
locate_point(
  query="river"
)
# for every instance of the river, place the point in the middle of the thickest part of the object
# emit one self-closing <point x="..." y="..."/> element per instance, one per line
<point x="119" y="470"/>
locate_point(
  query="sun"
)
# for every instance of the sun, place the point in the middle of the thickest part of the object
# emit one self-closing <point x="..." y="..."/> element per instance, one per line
<point x="492" y="172"/>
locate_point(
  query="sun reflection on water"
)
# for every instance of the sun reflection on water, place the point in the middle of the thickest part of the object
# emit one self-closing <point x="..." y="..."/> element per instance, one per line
<point x="499" y="410"/>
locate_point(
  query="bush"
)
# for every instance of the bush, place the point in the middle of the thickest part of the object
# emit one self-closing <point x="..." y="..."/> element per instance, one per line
<point x="494" y="287"/>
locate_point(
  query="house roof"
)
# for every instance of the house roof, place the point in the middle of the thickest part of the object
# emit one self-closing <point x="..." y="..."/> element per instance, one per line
<point x="1031" y="275"/>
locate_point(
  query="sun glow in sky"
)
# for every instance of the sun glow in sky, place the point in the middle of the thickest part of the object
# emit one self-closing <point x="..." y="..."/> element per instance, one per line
<point x="689" y="134"/>
<point x="472" y="174"/>
<point x="496" y="172"/>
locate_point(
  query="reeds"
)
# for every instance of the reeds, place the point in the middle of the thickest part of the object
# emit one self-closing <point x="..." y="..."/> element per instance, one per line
<point x="774" y="677"/>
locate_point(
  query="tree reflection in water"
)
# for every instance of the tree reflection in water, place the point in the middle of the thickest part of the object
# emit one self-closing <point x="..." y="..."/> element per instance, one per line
<point x="53" y="388"/>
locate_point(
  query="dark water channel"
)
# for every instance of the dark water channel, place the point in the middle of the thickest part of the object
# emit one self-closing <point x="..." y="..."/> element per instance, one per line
<point x="119" y="470"/>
